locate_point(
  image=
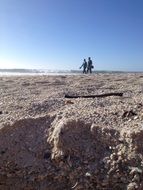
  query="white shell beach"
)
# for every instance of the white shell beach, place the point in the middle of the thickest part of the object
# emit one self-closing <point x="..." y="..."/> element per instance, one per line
<point x="47" y="140"/>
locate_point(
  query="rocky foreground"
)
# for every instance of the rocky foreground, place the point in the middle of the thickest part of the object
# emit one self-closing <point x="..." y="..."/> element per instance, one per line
<point x="49" y="142"/>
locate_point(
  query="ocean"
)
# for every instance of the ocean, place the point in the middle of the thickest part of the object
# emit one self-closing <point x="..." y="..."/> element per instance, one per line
<point x="33" y="72"/>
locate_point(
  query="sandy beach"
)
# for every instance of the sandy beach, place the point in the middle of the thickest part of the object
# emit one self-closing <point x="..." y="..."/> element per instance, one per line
<point x="49" y="142"/>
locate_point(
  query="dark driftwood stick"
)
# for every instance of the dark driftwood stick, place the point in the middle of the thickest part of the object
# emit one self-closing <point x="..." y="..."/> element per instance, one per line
<point x="94" y="96"/>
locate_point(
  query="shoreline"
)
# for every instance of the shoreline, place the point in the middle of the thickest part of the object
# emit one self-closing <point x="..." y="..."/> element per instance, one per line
<point x="59" y="73"/>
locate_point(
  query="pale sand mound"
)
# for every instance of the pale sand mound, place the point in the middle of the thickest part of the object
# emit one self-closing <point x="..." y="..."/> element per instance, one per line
<point x="71" y="154"/>
<point x="99" y="157"/>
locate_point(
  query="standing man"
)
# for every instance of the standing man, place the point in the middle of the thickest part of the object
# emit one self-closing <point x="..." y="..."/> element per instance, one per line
<point x="84" y="65"/>
<point x="90" y="65"/>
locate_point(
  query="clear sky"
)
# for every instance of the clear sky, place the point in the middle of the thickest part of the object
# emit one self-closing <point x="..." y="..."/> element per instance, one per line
<point x="59" y="34"/>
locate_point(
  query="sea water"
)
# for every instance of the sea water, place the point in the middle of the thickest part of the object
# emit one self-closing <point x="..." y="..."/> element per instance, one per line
<point x="28" y="72"/>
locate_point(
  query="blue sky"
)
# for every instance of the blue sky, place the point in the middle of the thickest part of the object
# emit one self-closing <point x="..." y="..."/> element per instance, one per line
<point x="59" y="34"/>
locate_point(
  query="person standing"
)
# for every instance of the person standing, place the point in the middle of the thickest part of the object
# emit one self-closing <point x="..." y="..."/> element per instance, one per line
<point x="84" y="65"/>
<point x="90" y="65"/>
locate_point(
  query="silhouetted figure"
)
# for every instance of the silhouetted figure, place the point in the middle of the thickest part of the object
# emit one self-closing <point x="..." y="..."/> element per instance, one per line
<point x="90" y="65"/>
<point x="84" y="65"/>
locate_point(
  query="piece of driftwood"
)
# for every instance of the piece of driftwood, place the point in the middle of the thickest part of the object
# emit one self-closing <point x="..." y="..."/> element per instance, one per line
<point x="94" y="96"/>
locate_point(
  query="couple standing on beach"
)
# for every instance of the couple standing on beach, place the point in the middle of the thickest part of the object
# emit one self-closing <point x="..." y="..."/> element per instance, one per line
<point x="87" y="66"/>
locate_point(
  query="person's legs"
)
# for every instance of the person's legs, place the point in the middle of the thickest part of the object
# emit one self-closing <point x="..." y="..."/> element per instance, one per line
<point x="85" y="70"/>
